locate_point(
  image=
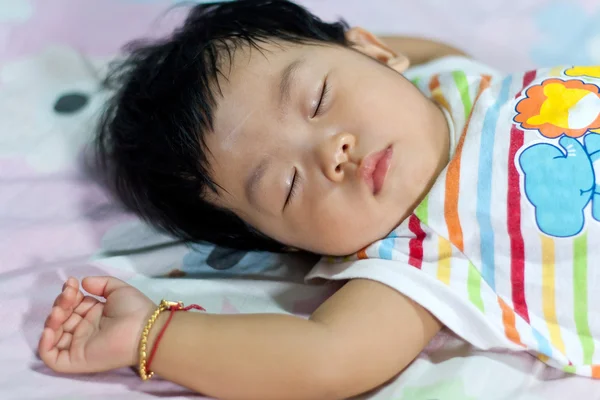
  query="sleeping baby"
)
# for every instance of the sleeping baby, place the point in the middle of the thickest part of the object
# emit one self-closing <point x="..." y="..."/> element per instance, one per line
<point x="442" y="195"/>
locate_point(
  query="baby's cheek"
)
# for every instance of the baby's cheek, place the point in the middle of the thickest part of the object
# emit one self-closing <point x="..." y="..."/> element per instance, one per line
<point x="333" y="224"/>
<point x="352" y="235"/>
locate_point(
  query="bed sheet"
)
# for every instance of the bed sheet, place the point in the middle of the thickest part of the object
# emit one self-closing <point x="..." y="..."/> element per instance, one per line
<point x="56" y="221"/>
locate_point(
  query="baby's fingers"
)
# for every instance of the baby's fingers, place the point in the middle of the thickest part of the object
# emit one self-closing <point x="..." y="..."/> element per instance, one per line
<point x="72" y="282"/>
<point x="46" y="343"/>
<point x="57" y="317"/>
<point x="56" y="359"/>
<point x="64" y="343"/>
<point x="102" y="285"/>
<point x="68" y="298"/>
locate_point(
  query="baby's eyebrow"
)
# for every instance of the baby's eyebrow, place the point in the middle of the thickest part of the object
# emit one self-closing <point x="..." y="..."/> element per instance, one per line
<point x="253" y="181"/>
<point x="286" y="81"/>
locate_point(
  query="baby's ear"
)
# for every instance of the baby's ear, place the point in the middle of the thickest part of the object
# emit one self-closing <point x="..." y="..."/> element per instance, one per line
<point x="367" y="43"/>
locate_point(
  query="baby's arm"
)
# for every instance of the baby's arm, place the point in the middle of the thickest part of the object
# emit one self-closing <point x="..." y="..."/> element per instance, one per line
<point x="361" y="337"/>
<point x="419" y="50"/>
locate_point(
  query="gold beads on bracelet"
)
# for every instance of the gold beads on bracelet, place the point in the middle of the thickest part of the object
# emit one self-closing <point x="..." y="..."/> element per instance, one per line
<point x="143" y="347"/>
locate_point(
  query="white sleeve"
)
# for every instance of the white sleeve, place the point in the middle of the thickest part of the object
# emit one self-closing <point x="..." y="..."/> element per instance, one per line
<point x="448" y="64"/>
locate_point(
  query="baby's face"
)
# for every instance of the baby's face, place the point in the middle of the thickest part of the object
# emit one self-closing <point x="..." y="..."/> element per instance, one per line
<point x="322" y="148"/>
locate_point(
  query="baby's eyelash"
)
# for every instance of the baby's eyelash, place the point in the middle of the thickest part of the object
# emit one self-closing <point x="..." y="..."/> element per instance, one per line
<point x="323" y="98"/>
<point x="293" y="188"/>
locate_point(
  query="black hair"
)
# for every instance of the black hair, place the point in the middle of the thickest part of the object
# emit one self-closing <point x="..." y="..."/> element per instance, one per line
<point x="150" y="139"/>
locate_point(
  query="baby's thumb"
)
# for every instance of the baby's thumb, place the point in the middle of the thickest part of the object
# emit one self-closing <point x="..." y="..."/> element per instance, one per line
<point x="102" y="285"/>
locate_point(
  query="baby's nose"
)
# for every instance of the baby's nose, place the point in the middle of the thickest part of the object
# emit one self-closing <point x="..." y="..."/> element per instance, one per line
<point x="335" y="153"/>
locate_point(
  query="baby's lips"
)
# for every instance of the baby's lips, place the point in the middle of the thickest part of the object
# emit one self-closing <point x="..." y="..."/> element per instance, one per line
<point x="369" y="165"/>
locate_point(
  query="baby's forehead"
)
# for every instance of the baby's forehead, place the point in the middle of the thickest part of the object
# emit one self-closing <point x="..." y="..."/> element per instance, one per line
<point x="253" y="71"/>
<point x="262" y="56"/>
<point x="272" y="54"/>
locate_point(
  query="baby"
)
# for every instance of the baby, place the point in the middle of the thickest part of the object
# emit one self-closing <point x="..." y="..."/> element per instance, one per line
<point x="460" y="198"/>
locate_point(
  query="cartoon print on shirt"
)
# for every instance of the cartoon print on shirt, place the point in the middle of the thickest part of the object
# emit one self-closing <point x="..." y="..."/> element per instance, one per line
<point x="562" y="179"/>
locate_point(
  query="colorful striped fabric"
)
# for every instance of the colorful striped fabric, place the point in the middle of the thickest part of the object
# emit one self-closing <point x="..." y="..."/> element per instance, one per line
<point x="511" y="228"/>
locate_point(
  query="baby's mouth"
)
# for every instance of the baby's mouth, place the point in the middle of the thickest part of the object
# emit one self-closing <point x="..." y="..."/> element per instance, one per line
<point x="373" y="169"/>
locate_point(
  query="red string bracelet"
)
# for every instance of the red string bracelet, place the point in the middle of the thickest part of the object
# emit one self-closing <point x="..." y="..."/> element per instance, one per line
<point x="173" y="309"/>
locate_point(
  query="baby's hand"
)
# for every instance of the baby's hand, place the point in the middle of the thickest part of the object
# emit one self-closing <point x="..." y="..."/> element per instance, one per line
<point x="83" y="334"/>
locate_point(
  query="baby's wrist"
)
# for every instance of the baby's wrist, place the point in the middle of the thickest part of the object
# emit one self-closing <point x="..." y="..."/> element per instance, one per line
<point x="148" y="337"/>
<point x="156" y="329"/>
<point x="153" y="331"/>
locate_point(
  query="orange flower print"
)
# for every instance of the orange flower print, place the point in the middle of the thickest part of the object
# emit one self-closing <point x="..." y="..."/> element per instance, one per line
<point x="557" y="107"/>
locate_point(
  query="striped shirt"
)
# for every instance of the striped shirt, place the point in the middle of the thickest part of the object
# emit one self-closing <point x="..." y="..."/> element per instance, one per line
<point x="505" y="248"/>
